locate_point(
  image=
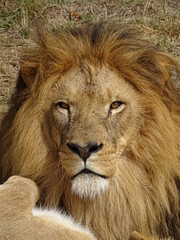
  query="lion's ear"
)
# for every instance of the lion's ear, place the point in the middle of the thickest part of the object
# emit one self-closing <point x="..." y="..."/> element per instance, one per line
<point x="170" y="68"/>
<point x="26" y="76"/>
<point x="175" y="78"/>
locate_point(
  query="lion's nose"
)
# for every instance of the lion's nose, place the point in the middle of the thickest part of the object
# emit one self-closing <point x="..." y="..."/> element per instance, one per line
<point x="85" y="152"/>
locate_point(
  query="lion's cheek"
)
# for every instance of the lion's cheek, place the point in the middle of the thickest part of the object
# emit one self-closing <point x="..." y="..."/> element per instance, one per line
<point x="71" y="164"/>
<point x="105" y="165"/>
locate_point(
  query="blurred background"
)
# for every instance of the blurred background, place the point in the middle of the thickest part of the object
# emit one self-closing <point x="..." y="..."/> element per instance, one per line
<point x="158" y="20"/>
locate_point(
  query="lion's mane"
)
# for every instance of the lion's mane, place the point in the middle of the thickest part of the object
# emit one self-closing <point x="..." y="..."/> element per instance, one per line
<point x="154" y="156"/>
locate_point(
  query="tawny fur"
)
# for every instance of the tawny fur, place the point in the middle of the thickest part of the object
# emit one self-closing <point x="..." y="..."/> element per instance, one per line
<point x="18" y="222"/>
<point x="92" y="67"/>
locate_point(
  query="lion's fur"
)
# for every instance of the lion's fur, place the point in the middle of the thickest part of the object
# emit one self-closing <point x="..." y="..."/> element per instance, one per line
<point x="144" y="191"/>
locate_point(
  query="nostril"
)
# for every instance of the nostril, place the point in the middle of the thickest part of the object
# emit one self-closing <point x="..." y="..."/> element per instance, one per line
<point x="73" y="148"/>
<point x="96" y="148"/>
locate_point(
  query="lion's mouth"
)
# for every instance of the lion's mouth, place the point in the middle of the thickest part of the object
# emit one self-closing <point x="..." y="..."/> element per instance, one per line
<point x="88" y="171"/>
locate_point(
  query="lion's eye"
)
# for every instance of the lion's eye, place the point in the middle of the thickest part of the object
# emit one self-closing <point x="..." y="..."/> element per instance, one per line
<point x="62" y="105"/>
<point x="116" y="107"/>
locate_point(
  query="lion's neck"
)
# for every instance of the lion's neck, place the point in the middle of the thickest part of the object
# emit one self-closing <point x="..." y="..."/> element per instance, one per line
<point x="98" y="215"/>
<point x="114" y="214"/>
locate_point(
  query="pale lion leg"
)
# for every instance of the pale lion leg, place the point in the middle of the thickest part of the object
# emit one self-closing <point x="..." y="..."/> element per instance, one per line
<point x="55" y="216"/>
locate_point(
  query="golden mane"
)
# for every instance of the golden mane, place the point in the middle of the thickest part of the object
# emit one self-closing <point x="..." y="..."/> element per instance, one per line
<point x="155" y="152"/>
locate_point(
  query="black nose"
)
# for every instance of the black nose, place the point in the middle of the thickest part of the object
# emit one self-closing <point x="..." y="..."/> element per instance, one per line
<point x="85" y="152"/>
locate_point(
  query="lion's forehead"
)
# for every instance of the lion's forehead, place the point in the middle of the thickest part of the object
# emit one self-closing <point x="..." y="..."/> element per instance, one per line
<point x="101" y="84"/>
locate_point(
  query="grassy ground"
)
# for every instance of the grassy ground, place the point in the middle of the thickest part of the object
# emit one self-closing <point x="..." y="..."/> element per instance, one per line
<point x="159" y="20"/>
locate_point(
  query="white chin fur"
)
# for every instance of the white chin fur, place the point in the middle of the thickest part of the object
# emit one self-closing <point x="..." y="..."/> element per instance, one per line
<point x="89" y="185"/>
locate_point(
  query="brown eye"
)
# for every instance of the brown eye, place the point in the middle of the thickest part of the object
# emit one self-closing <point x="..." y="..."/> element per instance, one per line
<point x="115" y="105"/>
<point x="63" y="105"/>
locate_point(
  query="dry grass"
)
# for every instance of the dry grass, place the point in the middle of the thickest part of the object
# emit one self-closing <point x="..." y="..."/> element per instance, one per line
<point x="159" y="20"/>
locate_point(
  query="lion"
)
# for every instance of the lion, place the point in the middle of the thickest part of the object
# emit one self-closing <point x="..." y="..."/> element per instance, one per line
<point x="95" y="122"/>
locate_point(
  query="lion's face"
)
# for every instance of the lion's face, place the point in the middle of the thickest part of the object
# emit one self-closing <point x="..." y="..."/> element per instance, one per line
<point x="94" y="114"/>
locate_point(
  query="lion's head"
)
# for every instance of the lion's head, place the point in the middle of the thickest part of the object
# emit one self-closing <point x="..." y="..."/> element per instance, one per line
<point x="95" y="121"/>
